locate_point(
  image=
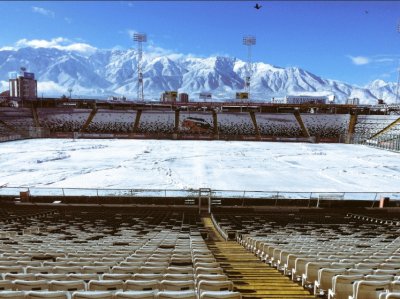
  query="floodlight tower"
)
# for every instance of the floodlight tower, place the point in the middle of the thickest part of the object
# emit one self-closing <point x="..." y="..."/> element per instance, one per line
<point x="249" y="41"/>
<point x="140" y="38"/>
<point x="398" y="76"/>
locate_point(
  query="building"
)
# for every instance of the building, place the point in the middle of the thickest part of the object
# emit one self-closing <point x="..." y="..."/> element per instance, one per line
<point x="22" y="86"/>
<point x="242" y="96"/>
<point x="169" y="96"/>
<point x="353" y="101"/>
<point x="302" y="99"/>
<point x="183" y="97"/>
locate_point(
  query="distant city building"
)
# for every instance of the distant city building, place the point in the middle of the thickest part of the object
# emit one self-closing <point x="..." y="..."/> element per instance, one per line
<point x="301" y="100"/>
<point x="205" y="96"/>
<point x="23" y="85"/>
<point x="242" y="96"/>
<point x="183" y="97"/>
<point x="353" y="101"/>
<point x="169" y="96"/>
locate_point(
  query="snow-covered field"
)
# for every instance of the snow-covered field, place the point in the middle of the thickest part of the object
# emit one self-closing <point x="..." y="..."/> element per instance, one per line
<point x="154" y="164"/>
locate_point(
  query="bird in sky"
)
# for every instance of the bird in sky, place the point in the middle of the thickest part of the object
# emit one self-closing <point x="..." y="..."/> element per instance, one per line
<point x="257" y="6"/>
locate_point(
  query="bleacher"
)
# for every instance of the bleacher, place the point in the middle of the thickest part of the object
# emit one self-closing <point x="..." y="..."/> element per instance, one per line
<point x="94" y="253"/>
<point x="333" y="255"/>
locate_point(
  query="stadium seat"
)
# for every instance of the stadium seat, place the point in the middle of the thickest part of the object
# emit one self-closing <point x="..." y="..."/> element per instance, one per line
<point x="105" y="285"/>
<point x="47" y="294"/>
<point x="177" y="285"/>
<point x="12" y="294"/>
<point x="369" y="289"/>
<point x="342" y="286"/>
<point x="390" y="295"/>
<point x="92" y="295"/>
<point x="177" y="294"/>
<point x="142" y="285"/>
<point x="6" y="285"/>
<point x="209" y="285"/>
<point x="67" y="285"/>
<point x="30" y="285"/>
<point x="324" y="280"/>
<point x="136" y="295"/>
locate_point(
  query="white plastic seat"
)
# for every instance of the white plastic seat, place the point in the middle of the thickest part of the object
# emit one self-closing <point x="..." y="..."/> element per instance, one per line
<point x="47" y="295"/>
<point x="180" y="270"/>
<point x="81" y="276"/>
<point x="395" y="286"/>
<point x="19" y="276"/>
<point x="177" y="285"/>
<point x="142" y="285"/>
<point x="364" y="289"/>
<point x="324" y="280"/>
<point x="67" y="285"/>
<point x="136" y="295"/>
<point x="210" y="285"/>
<point x="6" y="285"/>
<point x="95" y="269"/>
<point x="390" y="295"/>
<point x="124" y="270"/>
<point x="67" y="269"/>
<point x="300" y="267"/>
<point x="359" y="271"/>
<point x="202" y="270"/>
<point x="105" y="285"/>
<point x="42" y="269"/>
<point x="116" y="276"/>
<point x="342" y="286"/>
<point x="92" y="295"/>
<point x="177" y="294"/>
<point x="169" y="276"/>
<point x="153" y="270"/>
<point x="372" y="277"/>
<point x="12" y="294"/>
<point x="30" y="285"/>
<point x="12" y="269"/>
<point x="311" y="272"/>
<point x="210" y="277"/>
<point x="51" y="276"/>
<point x="148" y="276"/>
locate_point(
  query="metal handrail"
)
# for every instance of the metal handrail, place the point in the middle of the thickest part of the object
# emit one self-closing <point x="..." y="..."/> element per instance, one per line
<point x="185" y="193"/>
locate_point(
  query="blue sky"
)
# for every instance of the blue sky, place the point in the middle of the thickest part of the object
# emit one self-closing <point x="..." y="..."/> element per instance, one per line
<point x="350" y="41"/>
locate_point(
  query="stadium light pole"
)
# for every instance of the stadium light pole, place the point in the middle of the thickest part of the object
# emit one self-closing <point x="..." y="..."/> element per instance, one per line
<point x="398" y="71"/>
<point x="249" y="41"/>
<point x="140" y="38"/>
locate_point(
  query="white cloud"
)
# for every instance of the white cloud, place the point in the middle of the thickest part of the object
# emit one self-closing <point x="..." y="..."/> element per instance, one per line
<point x="43" y="11"/>
<point x="59" y="43"/>
<point x="360" y="60"/>
<point x="68" y="20"/>
<point x="7" y="49"/>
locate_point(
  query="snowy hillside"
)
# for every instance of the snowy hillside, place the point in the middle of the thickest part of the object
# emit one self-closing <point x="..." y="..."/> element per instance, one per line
<point x="113" y="72"/>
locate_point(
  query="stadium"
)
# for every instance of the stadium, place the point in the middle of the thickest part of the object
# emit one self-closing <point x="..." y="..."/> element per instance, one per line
<point x="223" y="215"/>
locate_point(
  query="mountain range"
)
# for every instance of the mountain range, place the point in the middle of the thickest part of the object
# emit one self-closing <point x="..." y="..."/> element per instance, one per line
<point x="114" y="73"/>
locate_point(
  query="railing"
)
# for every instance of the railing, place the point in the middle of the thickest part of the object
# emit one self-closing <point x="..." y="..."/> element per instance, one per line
<point x="386" y="141"/>
<point x="175" y="193"/>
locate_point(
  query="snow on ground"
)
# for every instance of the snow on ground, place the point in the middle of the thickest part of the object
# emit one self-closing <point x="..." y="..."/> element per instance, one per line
<point x="155" y="164"/>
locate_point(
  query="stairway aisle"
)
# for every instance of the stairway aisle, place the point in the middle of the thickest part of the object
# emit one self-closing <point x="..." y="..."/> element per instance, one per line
<point x="250" y="276"/>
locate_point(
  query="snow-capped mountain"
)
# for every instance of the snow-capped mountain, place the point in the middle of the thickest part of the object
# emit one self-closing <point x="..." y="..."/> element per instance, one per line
<point x="114" y="72"/>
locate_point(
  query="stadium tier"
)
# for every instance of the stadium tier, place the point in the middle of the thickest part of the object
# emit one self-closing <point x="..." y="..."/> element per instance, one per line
<point x="312" y="124"/>
<point x="132" y="251"/>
